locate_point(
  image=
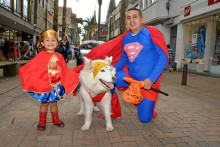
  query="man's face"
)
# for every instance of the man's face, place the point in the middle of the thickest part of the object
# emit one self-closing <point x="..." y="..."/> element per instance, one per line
<point x="134" y="21"/>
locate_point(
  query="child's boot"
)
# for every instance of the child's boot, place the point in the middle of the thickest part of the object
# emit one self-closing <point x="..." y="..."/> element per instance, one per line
<point x="56" y="120"/>
<point x="42" y="121"/>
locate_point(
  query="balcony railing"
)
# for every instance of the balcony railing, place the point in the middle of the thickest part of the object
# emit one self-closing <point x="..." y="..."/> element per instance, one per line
<point x="156" y="12"/>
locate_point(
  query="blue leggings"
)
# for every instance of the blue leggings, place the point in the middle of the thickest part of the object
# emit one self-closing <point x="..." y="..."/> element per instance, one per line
<point x="145" y="108"/>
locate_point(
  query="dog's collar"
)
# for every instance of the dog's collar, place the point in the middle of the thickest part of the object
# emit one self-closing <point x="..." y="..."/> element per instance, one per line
<point x="98" y="97"/>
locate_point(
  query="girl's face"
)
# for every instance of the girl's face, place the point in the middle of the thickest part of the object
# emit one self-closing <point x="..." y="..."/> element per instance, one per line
<point x="50" y="44"/>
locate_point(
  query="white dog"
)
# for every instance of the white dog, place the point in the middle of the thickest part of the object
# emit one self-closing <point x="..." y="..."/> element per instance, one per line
<point x="97" y="77"/>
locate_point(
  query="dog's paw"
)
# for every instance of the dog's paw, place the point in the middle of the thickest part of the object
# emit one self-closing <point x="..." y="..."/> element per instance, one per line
<point x="85" y="127"/>
<point x="80" y="113"/>
<point x="96" y="109"/>
<point x="110" y="128"/>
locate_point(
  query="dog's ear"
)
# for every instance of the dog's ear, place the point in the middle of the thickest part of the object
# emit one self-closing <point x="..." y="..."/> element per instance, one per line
<point x="108" y="60"/>
<point x="87" y="61"/>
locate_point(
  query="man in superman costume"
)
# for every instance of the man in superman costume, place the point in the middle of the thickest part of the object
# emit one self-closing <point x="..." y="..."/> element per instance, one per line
<point x="140" y="53"/>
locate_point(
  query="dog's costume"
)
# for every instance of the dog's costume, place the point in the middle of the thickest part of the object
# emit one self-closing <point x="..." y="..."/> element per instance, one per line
<point x="144" y="64"/>
<point x="47" y="84"/>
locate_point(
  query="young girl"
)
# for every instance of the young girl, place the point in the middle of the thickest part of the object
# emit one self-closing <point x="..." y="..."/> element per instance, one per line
<point x="48" y="79"/>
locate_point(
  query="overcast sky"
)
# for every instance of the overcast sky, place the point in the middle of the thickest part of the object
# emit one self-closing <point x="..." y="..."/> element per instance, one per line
<point x="85" y="8"/>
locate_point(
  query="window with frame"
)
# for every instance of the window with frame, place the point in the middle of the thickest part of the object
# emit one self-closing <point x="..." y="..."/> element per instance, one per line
<point x="25" y="8"/>
<point x="15" y="5"/>
<point x="6" y="3"/>
<point x="50" y="8"/>
<point x="117" y="23"/>
<point x="149" y="2"/>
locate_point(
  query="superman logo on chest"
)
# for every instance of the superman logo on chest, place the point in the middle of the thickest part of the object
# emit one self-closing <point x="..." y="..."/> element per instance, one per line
<point x="132" y="50"/>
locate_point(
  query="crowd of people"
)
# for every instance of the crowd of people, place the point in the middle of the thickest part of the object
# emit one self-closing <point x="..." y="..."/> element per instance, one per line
<point x="14" y="50"/>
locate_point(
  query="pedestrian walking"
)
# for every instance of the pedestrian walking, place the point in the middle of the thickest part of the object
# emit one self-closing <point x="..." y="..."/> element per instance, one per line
<point x="48" y="79"/>
<point x="79" y="57"/>
<point x="64" y="45"/>
<point x="5" y="48"/>
<point x="171" y="57"/>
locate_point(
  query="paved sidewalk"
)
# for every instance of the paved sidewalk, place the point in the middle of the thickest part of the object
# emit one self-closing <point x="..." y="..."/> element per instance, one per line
<point x="189" y="116"/>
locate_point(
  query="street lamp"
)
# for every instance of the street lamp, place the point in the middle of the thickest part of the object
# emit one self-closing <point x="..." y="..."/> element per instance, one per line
<point x="100" y="3"/>
<point x="35" y="27"/>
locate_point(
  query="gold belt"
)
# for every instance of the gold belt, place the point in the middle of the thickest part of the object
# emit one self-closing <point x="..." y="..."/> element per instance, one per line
<point x="55" y="84"/>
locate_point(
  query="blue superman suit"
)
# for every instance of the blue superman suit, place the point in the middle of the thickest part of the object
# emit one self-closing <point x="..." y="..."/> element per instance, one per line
<point x="144" y="59"/>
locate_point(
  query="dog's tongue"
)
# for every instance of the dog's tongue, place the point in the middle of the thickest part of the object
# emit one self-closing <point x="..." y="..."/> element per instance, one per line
<point x="110" y="85"/>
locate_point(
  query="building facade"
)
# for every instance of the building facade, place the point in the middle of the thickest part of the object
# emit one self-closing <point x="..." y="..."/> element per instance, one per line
<point x="69" y="24"/>
<point x="17" y="18"/>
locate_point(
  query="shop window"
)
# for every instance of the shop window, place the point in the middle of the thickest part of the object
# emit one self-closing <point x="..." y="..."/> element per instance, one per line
<point x="216" y="58"/>
<point x="195" y="35"/>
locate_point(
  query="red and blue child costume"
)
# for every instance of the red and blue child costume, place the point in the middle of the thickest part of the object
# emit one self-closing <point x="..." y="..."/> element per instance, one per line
<point x="139" y="56"/>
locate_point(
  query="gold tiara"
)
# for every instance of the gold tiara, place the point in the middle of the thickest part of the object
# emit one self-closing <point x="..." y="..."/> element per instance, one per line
<point x="49" y="33"/>
<point x="97" y="67"/>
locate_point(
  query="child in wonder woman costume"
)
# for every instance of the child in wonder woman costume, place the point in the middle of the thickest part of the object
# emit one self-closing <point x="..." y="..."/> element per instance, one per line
<point x="48" y="79"/>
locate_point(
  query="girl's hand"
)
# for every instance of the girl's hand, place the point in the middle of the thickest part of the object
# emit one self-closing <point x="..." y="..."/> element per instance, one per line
<point x="52" y="65"/>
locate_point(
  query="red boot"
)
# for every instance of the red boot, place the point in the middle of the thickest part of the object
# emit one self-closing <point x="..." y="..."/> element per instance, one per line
<point x="56" y="120"/>
<point x="42" y="121"/>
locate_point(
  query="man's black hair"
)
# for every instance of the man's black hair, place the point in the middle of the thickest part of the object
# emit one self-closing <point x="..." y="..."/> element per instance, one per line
<point x="136" y="9"/>
<point x="21" y="43"/>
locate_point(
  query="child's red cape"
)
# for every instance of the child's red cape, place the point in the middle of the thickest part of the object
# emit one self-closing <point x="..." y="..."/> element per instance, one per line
<point x="114" y="48"/>
<point x="34" y="74"/>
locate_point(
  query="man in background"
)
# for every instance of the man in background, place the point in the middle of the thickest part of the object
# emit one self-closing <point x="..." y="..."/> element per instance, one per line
<point x="5" y="48"/>
<point x="24" y="50"/>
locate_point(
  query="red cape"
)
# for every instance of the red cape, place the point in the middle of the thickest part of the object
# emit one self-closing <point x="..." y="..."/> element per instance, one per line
<point x="34" y="74"/>
<point x="114" y="48"/>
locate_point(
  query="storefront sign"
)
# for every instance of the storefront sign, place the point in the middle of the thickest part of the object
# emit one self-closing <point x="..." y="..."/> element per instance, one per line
<point x="211" y="2"/>
<point x="194" y="39"/>
<point x="187" y="11"/>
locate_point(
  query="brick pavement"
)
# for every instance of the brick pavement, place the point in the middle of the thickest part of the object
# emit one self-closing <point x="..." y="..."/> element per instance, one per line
<point x="189" y="116"/>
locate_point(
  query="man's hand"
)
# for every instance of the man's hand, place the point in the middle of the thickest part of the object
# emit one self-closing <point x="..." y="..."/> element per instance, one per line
<point x="147" y="84"/>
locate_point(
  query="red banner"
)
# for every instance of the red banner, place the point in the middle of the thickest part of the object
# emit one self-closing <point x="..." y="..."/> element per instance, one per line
<point x="187" y="11"/>
<point x="211" y="2"/>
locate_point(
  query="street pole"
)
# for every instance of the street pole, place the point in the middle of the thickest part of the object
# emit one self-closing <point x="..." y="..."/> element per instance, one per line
<point x="184" y="75"/>
<point x="35" y="27"/>
<point x="110" y="27"/>
<point x="100" y="3"/>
